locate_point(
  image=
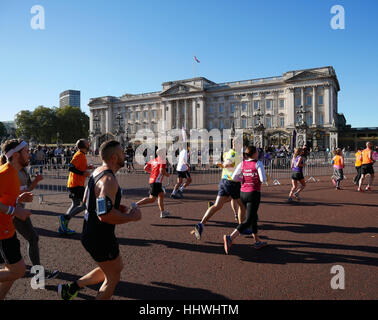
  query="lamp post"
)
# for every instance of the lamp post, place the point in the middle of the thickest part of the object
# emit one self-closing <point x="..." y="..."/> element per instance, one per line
<point x="301" y="127"/>
<point x="119" y="131"/>
<point x="258" y="131"/>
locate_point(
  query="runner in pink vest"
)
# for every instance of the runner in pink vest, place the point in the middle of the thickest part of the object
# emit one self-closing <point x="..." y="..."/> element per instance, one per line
<point x="251" y="174"/>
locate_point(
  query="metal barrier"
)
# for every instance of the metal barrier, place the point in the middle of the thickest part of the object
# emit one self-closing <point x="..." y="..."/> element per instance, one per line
<point x="55" y="177"/>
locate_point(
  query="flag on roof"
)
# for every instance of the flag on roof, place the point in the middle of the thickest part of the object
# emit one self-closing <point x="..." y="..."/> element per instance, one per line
<point x="195" y="58"/>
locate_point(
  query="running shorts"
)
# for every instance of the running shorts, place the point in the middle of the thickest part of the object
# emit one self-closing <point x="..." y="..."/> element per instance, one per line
<point x="229" y="188"/>
<point x="101" y="249"/>
<point x="297" y="176"/>
<point x="155" y="189"/>
<point x="183" y="174"/>
<point x="77" y="193"/>
<point x="367" y="169"/>
<point x="10" y="252"/>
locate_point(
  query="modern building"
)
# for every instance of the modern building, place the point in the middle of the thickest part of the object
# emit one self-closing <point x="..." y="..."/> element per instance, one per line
<point x="69" y="98"/>
<point x="303" y="103"/>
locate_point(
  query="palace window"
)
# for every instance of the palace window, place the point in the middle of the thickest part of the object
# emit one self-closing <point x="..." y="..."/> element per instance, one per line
<point x="297" y="101"/>
<point x="153" y="114"/>
<point x="244" y="123"/>
<point x="244" y="106"/>
<point x="232" y="107"/>
<point x="309" y="101"/>
<point x="137" y="115"/>
<point x="210" y="109"/>
<point x="221" y="108"/>
<point x="320" y="119"/>
<point x="282" y="122"/>
<point x="210" y="124"/>
<point x="256" y="104"/>
<point x="309" y="119"/>
<point x="268" y="104"/>
<point x="282" y="103"/>
<point x="145" y="116"/>
<point x="320" y="100"/>
<point x="268" y="122"/>
<point x="221" y="124"/>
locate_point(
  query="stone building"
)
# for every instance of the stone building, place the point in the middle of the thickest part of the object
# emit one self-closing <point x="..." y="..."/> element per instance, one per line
<point x="301" y="103"/>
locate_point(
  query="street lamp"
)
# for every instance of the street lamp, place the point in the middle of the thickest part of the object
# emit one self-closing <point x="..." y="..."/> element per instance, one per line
<point x="119" y="118"/>
<point x="301" y="127"/>
<point x="258" y="132"/>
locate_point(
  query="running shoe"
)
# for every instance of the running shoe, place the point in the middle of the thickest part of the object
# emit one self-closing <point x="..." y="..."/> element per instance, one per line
<point x="368" y="189"/>
<point x="49" y="275"/>
<point x="290" y="199"/>
<point x="63" y="224"/>
<point x="333" y="181"/>
<point x="180" y="194"/>
<point x="164" y="214"/>
<point x="210" y="204"/>
<point x="198" y="228"/>
<point x="174" y="196"/>
<point x="227" y="243"/>
<point x="64" y="292"/>
<point x="296" y="195"/>
<point x="360" y="190"/>
<point x="246" y="232"/>
<point x="67" y="232"/>
<point x="260" y="244"/>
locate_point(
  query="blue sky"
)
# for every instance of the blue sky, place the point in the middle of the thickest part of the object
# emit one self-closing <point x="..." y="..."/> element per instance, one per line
<point x="116" y="47"/>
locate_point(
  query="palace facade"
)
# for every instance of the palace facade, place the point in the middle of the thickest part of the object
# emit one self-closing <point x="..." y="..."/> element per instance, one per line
<point x="303" y="103"/>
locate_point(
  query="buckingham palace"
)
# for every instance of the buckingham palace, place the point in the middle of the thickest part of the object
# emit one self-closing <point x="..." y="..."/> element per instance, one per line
<point x="300" y="103"/>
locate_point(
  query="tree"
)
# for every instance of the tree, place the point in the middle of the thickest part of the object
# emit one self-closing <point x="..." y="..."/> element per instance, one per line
<point x="3" y="130"/>
<point x="44" y="124"/>
<point x="73" y="124"/>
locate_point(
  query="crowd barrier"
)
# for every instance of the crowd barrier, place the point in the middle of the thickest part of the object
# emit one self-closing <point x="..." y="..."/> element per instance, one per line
<point x="277" y="171"/>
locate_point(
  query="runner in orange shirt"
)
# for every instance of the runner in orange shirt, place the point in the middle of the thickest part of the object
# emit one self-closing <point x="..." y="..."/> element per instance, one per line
<point x="338" y="166"/>
<point x="78" y="169"/>
<point x="15" y="156"/>
<point x="358" y="165"/>
<point x="367" y="167"/>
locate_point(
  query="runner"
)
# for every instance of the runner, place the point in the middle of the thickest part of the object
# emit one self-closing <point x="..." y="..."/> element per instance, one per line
<point x="182" y="169"/>
<point x="251" y="172"/>
<point x="130" y="158"/>
<point x="26" y="229"/>
<point x="78" y="169"/>
<point x="367" y="167"/>
<point x="103" y="200"/>
<point x="15" y="157"/>
<point x="227" y="190"/>
<point x="297" y="167"/>
<point x="358" y="165"/>
<point x="157" y="169"/>
<point x="338" y="166"/>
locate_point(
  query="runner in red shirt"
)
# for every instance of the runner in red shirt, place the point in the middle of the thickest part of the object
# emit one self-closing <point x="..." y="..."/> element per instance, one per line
<point x="157" y="169"/>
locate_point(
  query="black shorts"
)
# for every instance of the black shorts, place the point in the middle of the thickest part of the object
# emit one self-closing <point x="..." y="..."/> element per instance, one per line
<point x="77" y="193"/>
<point x="10" y="252"/>
<point x="367" y="169"/>
<point x="183" y="174"/>
<point x="101" y="249"/>
<point x="297" y="176"/>
<point x="228" y="188"/>
<point x="155" y="189"/>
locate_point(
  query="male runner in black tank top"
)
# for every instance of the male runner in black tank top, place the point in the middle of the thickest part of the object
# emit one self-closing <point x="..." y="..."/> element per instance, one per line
<point x="104" y="211"/>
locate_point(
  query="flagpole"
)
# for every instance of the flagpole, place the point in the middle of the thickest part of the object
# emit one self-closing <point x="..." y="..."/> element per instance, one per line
<point x="194" y="61"/>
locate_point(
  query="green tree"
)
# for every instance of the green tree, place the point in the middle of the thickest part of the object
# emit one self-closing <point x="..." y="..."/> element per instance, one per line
<point x="73" y="124"/>
<point x="46" y="121"/>
<point x="25" y="124"/>
<point x="3" y="130"/>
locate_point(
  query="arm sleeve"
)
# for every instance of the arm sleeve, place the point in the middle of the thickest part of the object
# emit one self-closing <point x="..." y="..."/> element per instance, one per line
<point x="73" y="169"/>
<point x="261" y="171"/>
<point x="237" y="171"/>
